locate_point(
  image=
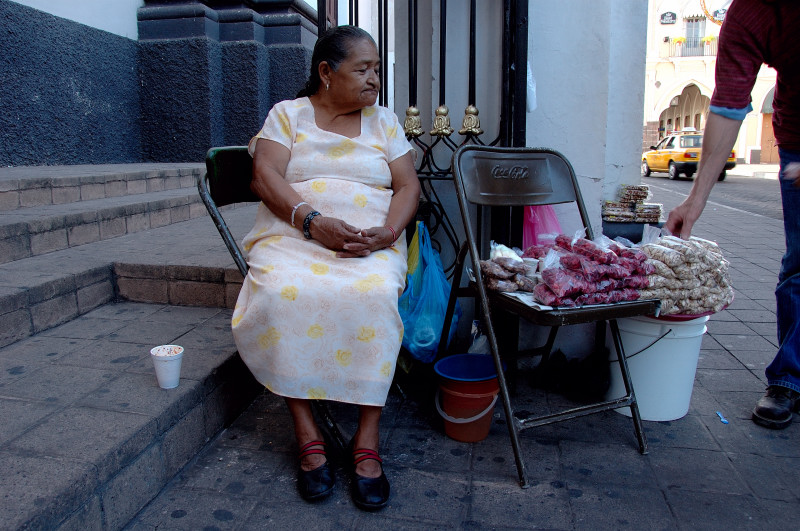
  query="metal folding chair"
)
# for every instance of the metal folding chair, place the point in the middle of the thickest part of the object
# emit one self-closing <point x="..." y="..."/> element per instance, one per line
<point x="504" y="178"/>
<point x="229" y="171"/>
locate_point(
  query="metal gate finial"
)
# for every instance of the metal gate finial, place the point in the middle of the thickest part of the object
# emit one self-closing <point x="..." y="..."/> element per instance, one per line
<point x="471" y="124"/>
<point x="441" y="124"/>
<point x="412" y="124"/>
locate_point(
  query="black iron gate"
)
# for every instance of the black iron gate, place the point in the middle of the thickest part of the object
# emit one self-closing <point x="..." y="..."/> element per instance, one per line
<point x="437" y="144"/>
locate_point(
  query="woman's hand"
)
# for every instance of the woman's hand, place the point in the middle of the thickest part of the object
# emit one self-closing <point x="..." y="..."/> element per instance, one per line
<point x="337" y="235"/>
<point x="379" y="237"/>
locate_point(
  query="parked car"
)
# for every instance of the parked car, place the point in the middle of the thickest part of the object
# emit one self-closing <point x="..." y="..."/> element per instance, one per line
<point x="679" y="153"/>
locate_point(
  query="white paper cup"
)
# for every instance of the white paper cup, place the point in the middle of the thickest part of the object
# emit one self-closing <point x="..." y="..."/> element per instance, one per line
<point x="167" y="361"/>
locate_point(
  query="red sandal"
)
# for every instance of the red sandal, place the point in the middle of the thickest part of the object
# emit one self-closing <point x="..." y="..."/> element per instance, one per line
<point x="369" y="494"/>
<point x="318" y="483"/>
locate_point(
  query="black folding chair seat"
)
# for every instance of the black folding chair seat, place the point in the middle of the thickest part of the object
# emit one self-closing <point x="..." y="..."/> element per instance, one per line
<point x="229" y="171"/>
<point x="506" y="178"/>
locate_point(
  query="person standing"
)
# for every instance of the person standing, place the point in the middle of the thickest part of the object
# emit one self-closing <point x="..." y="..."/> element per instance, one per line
<point x="757" y="32"/>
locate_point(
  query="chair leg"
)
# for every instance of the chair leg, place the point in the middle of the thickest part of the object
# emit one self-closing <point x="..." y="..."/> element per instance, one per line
<point x="330" y="424"/>
<point x="513" y="431"/>
<point x="626" y="379"/>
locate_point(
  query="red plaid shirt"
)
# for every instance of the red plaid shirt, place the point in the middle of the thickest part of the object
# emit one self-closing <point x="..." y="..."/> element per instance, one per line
<point x="757" y="32"/>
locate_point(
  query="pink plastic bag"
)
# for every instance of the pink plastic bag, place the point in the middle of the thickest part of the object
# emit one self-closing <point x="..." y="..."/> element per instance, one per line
<point x="538" y="221"/>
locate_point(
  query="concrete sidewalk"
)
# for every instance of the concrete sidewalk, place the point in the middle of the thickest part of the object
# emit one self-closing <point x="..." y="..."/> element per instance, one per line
<point x="700" y="473"/>
<point x="763" y="171"/>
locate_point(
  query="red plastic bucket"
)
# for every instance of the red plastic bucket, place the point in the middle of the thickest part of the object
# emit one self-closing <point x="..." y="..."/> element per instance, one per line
<point x="468" y="392"/>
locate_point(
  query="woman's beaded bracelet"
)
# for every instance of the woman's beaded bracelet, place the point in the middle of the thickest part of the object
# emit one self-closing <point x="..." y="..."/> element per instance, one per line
<point x="394" y="234"/>
<point x="294" y="210"/>
<point x="307" y="223"/>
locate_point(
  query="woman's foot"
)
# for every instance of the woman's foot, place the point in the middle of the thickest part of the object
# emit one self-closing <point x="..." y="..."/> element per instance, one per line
<point x="370" y="488"/>
<point x="315" y="478"/>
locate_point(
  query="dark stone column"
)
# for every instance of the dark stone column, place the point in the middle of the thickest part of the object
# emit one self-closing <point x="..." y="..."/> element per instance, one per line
<point x="180" y="98"/>
<point x="211" y="71"/>
<point x="245" y="90"/>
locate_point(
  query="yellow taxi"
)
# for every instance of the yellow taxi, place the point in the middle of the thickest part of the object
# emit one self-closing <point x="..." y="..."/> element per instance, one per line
<point x="679" y="153"/>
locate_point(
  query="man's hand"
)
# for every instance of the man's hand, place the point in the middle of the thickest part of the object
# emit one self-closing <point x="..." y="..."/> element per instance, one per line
<point x="682" y="218"/>
<point x="792" y="173"/>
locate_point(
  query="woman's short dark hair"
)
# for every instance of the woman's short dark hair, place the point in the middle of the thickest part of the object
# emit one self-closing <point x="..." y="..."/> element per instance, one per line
<point x="332" y="47"/>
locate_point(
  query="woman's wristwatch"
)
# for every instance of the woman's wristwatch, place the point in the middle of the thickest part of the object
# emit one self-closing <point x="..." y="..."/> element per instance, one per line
<point x="307" y="223"/>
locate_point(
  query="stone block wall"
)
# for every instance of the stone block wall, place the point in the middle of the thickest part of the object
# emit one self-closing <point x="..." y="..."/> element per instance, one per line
<point x="202" y="74"/>
<point x="68" y="93"/>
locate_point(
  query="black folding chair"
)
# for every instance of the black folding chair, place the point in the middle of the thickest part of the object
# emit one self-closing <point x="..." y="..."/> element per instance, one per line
<point x="229" y="171"/>
<point x="504" y="178"/>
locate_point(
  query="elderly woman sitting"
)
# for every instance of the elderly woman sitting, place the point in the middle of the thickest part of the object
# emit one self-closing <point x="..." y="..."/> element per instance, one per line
<point x="317" y="315"/>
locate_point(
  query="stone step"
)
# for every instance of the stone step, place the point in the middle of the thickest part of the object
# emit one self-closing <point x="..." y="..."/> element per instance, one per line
<point x="87" y="438"/>
<point x="34" y="231"/>
<point x="184" y="263"/>
<point x="32" y="186"/>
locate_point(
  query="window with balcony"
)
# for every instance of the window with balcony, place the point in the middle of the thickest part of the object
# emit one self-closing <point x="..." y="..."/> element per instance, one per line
<point x="695" y="31"/>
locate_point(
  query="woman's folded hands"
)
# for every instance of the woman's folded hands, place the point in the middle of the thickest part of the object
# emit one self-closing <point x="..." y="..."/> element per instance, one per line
<point x="349" y="241"/>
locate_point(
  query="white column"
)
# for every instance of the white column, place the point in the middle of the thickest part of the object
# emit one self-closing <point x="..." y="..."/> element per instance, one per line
<point x="588" y="66"/>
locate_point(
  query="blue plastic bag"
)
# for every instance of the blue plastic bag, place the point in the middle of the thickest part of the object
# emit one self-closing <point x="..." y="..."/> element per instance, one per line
<point x="423" y="303"/>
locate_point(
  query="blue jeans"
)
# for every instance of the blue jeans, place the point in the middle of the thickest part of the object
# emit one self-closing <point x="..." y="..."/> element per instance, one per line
<point x="784" y="370"/>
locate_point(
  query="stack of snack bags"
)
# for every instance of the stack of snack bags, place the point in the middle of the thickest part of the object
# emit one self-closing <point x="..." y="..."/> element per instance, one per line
<point x="691" y="276"/>
<point x="630" y="206"/>
<point x="508" y="272"/>
<point x="576" y="272"/>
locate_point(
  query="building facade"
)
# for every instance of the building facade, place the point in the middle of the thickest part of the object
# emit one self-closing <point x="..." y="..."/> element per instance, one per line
<point x="682" y="39"/>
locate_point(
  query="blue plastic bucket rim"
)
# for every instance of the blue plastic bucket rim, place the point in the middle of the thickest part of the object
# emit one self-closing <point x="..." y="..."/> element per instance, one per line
<point x="469" y="367"/>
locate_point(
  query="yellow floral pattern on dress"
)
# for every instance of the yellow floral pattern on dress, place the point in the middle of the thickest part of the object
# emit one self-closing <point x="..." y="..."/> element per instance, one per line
<point x="391" y="132"/>
<point x="315" y="331"/>
<point x="270" y="339"/>
<point x="286" y="126"/>
<point x="319" y="268"/>
<point x="346" y="147"/>
<point x="269" y="241"/>
<point x="303" y="327"/>
<point x="367" y="284"/>
<point x="317" y="393"/>
<point x="289" y="293"/>
<point x="366" y="334"/>
<point x="344" y="357"/>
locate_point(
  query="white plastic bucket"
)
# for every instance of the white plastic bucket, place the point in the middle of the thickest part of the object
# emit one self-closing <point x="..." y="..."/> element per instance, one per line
<point x="662" y="368"/>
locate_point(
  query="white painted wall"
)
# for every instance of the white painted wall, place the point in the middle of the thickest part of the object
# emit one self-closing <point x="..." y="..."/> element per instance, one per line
<point x="588" y="66"/>
<point x="114" y="16"/>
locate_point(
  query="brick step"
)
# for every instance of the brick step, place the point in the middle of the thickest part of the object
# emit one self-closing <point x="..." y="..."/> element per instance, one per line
<point x="88" y="438"/>
<point x="43" y="229"/>
<point x="32" y="186"/>
<point x="183" y="263"/>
